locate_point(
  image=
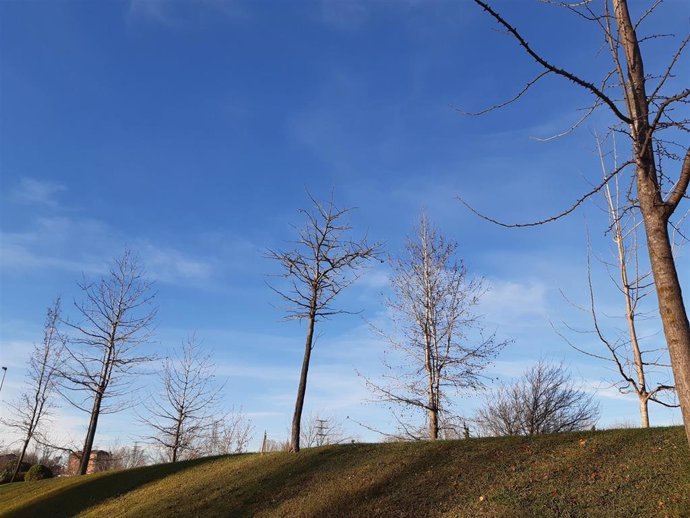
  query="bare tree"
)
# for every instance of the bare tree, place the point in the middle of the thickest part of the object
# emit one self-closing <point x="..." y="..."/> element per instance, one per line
<point x="127" y="457"/>
<point x="184" y="413"/>
<point x="116" y="316"/>
<point x="35" y="402"/>
<point x="323" y="263"/>
<point x="544" y="401"/>
<point x="635" y="364"/>
<point x="272" y="446"/>
<point x="228" y="435"/>
<point x="438" y="337"/>
<point x="320" y="430"/>
<point x="643" y="108"/>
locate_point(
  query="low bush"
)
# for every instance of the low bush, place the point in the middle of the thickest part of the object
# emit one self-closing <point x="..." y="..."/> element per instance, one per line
<point x="7" y="471"/>
<point x="38" y="472"/>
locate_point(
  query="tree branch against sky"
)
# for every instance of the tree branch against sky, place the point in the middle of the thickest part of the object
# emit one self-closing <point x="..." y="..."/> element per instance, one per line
<point x="33" y="406"/>
<point x="183" y="414"/>
<point x="322" y="264"/>
<point x="438" y="341"/>
<point x="640" y="363"/>
<point x="115" y="319"/>
<point x="644" y="108"/>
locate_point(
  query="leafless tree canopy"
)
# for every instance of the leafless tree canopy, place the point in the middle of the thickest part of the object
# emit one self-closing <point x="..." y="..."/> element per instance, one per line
<point x="34" y="403"/>
<point x="127" y="457"/>
<point x="320" y="430"/>
<point x="115" y="319"/>
<point x="437" y="335"/>
<point x="323" y="262"/>
<point x="227" y="435"/>
<point x="641" y="369"/>
<point x="649" y="106"/>
<point x="544" y="401"/>
<point x="183" y="415"/>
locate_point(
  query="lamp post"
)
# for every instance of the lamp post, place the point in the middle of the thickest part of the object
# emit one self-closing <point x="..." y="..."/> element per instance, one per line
<point x="4" y="371"/>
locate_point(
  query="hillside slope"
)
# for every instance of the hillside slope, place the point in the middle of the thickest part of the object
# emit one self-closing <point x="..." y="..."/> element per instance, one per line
<point x="626" y="473"/>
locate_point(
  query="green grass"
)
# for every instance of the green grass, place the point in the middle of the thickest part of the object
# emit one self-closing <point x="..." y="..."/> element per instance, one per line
<point x="616" y="473"/>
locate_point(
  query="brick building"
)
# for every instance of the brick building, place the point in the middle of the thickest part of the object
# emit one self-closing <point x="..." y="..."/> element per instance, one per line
<point x="99" y="460"/>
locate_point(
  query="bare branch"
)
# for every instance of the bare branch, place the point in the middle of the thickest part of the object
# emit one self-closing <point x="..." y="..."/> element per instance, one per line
<point x="548" y="66"/>
<point x="544" y="401"/>
<point x="509" y="101"/>
<point x="556" y="217"/>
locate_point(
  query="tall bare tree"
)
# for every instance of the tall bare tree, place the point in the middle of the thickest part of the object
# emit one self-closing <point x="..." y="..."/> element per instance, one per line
<point x="35" y="402"/>
<point x="637" y="366"/>
<point x="184" y="413"/>
<point x="644" y="108"/>
<point x="544" y="400"/>
<point x="437" y="333"/>
<point x="323" y="263"/>
<point x="115" y="318"/>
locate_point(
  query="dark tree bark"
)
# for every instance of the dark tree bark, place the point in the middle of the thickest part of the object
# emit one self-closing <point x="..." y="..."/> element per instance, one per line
<point x="296" y="429"/>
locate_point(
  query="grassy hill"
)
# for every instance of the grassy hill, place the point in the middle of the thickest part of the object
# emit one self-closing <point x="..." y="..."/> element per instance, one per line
<point x="626" y="473"/>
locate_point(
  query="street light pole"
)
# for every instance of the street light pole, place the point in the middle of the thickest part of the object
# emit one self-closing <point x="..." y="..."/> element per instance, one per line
<point x="4" y="371"/>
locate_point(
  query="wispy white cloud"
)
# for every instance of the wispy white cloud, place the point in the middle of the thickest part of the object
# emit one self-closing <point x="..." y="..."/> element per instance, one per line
<point x="515" y="302"/>
<point x="14" y="354"/>
<point x="87" y="245"/>
<point x="32" y="191"/>
<point x="374" y="278"/>
<point x="605" y="390"/>
<point x="176" y="12"/>
<point x="170" y="265"/>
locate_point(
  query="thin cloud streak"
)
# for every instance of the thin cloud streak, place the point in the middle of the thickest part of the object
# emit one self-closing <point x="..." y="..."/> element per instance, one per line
<point x="32" y="191"/>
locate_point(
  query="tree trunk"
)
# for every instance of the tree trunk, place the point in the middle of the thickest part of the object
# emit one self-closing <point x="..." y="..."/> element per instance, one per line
<point x="644" y="410"/>
<point x="656" y="214"/>
<point x="176" y="442"/>
<point x="671" y="307"/>
<point x="302" y="388"/>
<point x="90" y="434"/>
<point x="20" y="459"/>
<point x="433" y="424"/>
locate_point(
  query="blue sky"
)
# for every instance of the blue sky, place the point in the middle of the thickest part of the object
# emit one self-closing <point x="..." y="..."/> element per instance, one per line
<point x="190" y="131"/>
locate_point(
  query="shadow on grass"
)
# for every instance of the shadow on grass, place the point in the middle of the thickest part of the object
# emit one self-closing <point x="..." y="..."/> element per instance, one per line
<point x="424" y="484"/>
<point x="259" y="489"/>
<point x="90" y="490"/>
<point x="282" y="479"/>
<point x="404" y="491"/>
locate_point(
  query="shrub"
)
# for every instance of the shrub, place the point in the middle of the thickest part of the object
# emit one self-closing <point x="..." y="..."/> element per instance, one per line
<point x="38" y="472"/>
<point x="8" y="469"/>
<point x="545" y="400"/>
<point x="6" y="473"/>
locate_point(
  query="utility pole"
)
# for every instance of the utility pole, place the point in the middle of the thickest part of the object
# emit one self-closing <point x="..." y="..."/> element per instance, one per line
<point x="321" y="432"/>
<point x="263" y="443"/>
